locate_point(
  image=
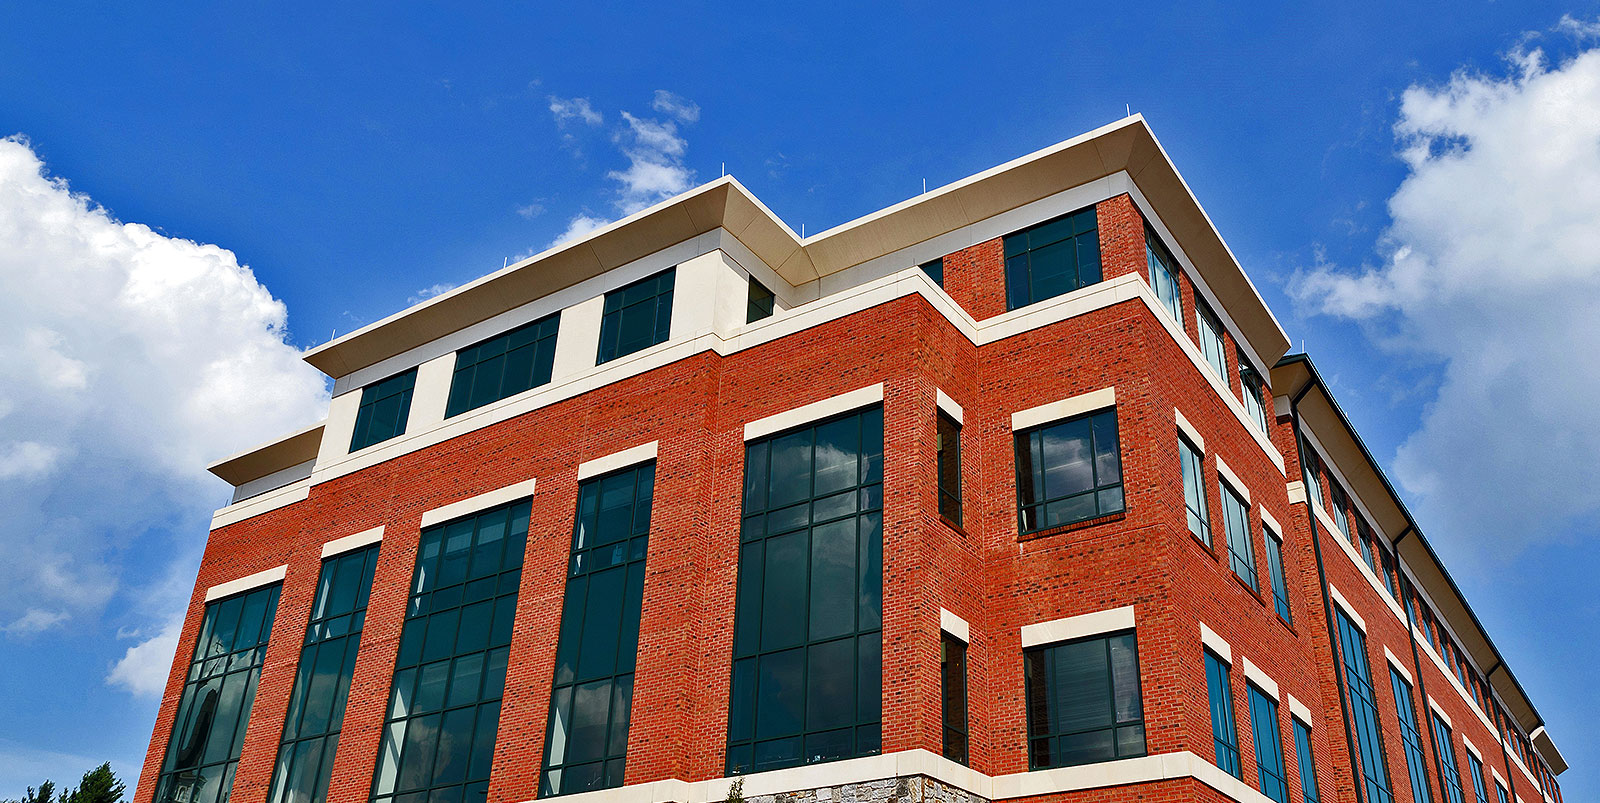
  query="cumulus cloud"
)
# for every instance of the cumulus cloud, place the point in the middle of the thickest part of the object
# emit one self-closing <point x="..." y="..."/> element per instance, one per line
<point x="429" y="292"/>
<point x="143" y="668"/>
<point x="677" y="106"/>
<point x="568" y="109"/>
<point x="655" y="171"/>
<point x="1491" y="268"/>
<point x="128" y="360"/>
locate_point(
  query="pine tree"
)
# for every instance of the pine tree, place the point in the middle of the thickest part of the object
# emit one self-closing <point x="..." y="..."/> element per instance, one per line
<point x="99" y="785"/>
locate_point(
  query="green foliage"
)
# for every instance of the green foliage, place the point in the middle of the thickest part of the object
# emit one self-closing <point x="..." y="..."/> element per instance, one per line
<point x="99" y="785"/>
<point x="735" y="792"/>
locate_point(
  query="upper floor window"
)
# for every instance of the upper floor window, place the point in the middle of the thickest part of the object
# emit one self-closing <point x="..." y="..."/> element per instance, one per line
<point x="1308" y="766"/>
<point x="1194" y="492"/>
<point x="1280" y="584"/>
<point x="1224" y="736"/>
<point x="949" y="460"/>
<point x="1052" y="258"/>
<point x="1500" y="792"/>
<point x="1163" y="275"/>
<point x="385" y="406"/>
<point x="637" y="316"/>
<point x="1241" y="547"/>
<point x="1311" y="471"/>
<point x="1363" y="710"/>
<point x="759" y="303"/>
<point x="1211" y="343"/>
<point x="1341" y="508"/>
<point x="935" y="270"/>
<point x="1270" y="775"/>
<point x="1410" y="737"/>
<point x="1068" y="471"/>
<point x="503" y="366"/>
<point x="1475" y="769"/>
<point x="208" y="732"/>
<point x="1447" y="761"/>
<point x="1083" y="701"/>
<point x="1254" y="390"/>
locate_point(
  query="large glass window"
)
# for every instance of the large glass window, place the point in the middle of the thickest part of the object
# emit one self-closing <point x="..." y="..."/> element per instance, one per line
<point x="1241" y="548"/>
<point x="1280" y="584"/>
<point x="1363" y="710"/>
<point x="1163" y="275"/>
<point x="1084" y="703"/>
<point x="949" y="465"/>
<point x="586" y="746"/>
<point x="1475" y="767"/>
<point x="385" y="406"/>
<point x="1448" y="768"/>
<point x="1068" y="471"/>
<point x="503" y="365"/>
<point x="1194" y="492"/>
<point x="935" y="270"/>
<point x="1410" y="738"/>
<point x="1500" y="792"/>
<point x="1341" y="510"/>
<point x="1312" y="473"/>
<point x="1308" y="766"/>
<point x="637" y="316"/>
<point x="450" y="674"/>
<point x="1254" y="389"/>
<point x="1269" y="745"/>
<point x="1224" y="735"/>
<point x="1212" y="346"/>
<point x="322" y="680"/>
<point x="807" y="680"/>
<point x="1052" y="258"/>
<point x="953" y="695"/>
<point x="759" y="303"/>
<point x="214" y="710"/>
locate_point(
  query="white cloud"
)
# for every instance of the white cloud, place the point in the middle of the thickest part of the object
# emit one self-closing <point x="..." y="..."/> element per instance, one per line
<point x="429" y="292"/>
<point x="1582" y="29"/>
<point x="530" y="210"/>
<point x="656" y="171"/>
<point x="128" y="360"/>
<point x="143" y="669"/>
<point x="35" y="620"/>
<point x="1491" y="267"/>
<point x="676" y="106"/>
<point x="565" y="109"/>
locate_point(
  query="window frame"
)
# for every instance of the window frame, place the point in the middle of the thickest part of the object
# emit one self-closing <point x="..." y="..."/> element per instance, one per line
<point x="1357" y="678"/>
<point x="1018" y="250"/>
<point x="956" y="737"/>
<point x="934" y="268"/>
<point x="1213" y="338"/>
<point x="1480" y="794"/>
<point x="541" y="365"/>
<point x="1048" y="653"/>
<point x="1159" y="260"/>
<point x="1034" y="465"/>
<point x="760" y="302"/>
<point x="1449" y="769"/>
<point x="1272" y="777"/>
<point x="1276" y="575"/>
<point x="613" y="315"/>
<point x="1197" y="511"/>
<point x="1410" y="738"/>
<point x="1239" y="538"/>
<point x="1224" y="733"/>
<point x="947" y="466"/>
<point x="1252" y="387"/>
<point x="402" y="385"/>
<point x="1306" y="760"/>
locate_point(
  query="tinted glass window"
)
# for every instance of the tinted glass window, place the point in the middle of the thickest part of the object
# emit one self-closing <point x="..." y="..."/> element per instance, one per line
<point x="1194" y="492"/>
<point x="1068" y="471"/>
<point x="1312" y="470"/>
<point x="214" y="710"/>
<point x="1052" y="258"/>
<point x="1254" y="391"/>
<point x="1083" y="701"/>
<point x="1308" y="766"/>
<point x="949" y="466"/>
<point x="322" y="679"/>
<point x="1500" y="791"/>
<point x="385" y="406"/>
<point x="1269" y="745"/>
<point x="1280" y="584"/>
<point x="586" y="744"/>
<point x="503" y="365"/>
<point x="1163" y="275"/>
<point x="1448" y="768"/>
<point x="1475" y="768"/>
<point x="953" y="695"/>
<point x="637" y="316"/>
<point x="1241" y="549"/>
<point x="1363" y="710"/>
<point x="1211" y="343"/>
<point x="450" y="674"/>
<point x="808" y="623"/>
<point x="935" y="270"/>
<point x="759" y="304"/>
<point x="1224" y="736"/>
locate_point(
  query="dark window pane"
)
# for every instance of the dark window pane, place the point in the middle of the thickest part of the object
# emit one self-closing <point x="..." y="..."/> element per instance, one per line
<point x="935" y="270"/>
<point x="953" y="696"/>
<point x="1052" y="258"/>
<point x="1224" y="736"/>
<point x="807" y="679"/>
<point x="383" y="411"/>
<point x="759" y="305"/>
<point x="637" y="316"/>
<point x="1068" y="471"/>
<point x="1364" y="710"/>
<point x="948" y="461"/>
<point x="1083" y="701"/>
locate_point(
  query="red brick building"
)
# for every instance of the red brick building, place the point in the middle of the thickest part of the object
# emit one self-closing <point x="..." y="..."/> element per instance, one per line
<point x="1004" y="492"/>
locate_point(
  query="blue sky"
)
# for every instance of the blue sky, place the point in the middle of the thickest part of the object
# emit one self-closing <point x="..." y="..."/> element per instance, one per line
<point x="1411" y="192"/>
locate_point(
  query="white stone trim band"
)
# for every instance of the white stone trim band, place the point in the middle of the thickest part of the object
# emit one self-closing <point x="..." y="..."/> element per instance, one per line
<point x="1438" y="711"/>
<point x="473" y="504"/>
<point x="1399" y="666"/>
<point x="948" y="406"/>
<point x="1215" y="643"/>
<point x="1349" y="610"/>
<point x="1065" y="408"/>
<point x="642" y="453"/>
<point x="1299" y="711"/>
<point x="1072" y="627"/>
<point x="265" y="577"/>
<point x="339" y="546"/>
<point x="1272" y="524"/>
<point x="955" y="625"/>
<point x="1233" y="480"/>
<point x="1263" y="681"/>
<point x="815" y="411"/>
<point x="1189" y="430"/>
